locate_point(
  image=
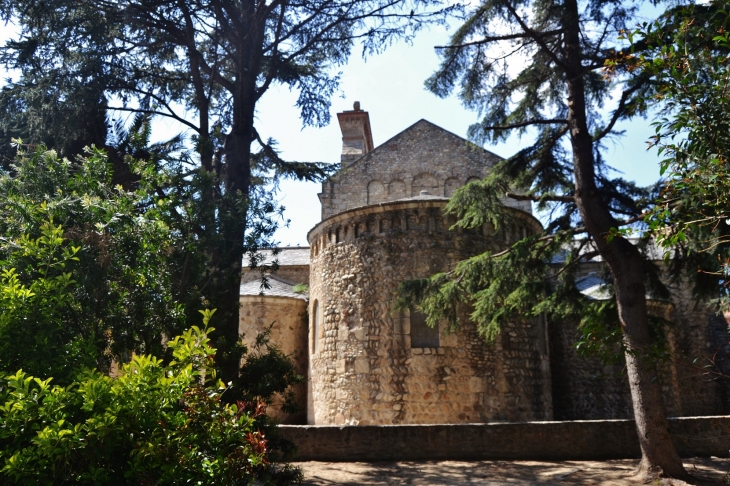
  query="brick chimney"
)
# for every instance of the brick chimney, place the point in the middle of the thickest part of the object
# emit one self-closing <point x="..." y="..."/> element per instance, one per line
<point x="357" y="140"/>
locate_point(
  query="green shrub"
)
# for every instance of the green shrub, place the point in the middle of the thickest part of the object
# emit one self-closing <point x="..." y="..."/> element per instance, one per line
<point x="87" y="271"/>
<point x="36" y="298"/>
<point x="154" y="424"/>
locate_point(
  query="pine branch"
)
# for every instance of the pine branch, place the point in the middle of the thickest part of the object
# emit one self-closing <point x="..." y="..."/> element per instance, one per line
<point x="498" y="38"/>
<point x="527" y="123"/>
<point x="581" y="257"/>
<point x="619" y="112"/>
<point x="311" y="171"/>
<point x="575" y="231"/>
<point x="632" y="220"/>
<point x="272" y="71"/>
<point x="534" y="35"/>
<point x="533" y="197"/>
<point x="156" y="112"/>
<point x="268" y="149"/>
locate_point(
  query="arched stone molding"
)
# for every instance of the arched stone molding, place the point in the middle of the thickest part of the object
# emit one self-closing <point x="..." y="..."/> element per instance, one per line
<point x="397" y="190"/>
<point x="376" y="192"/>
<point x="425" y="182"/>
<point x="451" y="185"/>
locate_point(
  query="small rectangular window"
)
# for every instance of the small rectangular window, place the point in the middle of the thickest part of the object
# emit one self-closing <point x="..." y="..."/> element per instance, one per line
<point x="423" y="336"/>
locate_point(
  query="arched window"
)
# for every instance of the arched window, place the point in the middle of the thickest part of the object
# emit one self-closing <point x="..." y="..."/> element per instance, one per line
<point x="315" y="327"/>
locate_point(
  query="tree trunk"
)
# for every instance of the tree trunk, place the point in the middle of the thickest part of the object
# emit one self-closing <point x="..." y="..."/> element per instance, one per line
<point x="625" y="264"/>
<point x="230" y="257"/>
<point x="237" y="179"/>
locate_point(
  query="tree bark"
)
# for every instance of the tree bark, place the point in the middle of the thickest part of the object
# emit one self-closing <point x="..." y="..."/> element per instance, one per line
<point x="237" y="181"/>
<point x="625" y="264"/>
<point x="230" y="255"/>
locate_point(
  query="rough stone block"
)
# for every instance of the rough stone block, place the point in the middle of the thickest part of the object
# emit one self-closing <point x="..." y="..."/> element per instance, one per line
<point x="362" y="365"/>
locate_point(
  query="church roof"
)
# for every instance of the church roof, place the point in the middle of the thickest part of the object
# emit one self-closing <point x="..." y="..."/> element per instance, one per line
<point x="277" y="287"/>
<point x="287" y="256"/>
<point x="593" y="287"/>
<point x="650" y="249"/>
<point x="596" y="287"/>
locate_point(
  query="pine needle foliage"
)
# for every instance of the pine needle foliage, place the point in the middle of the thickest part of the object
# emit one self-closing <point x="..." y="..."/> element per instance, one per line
<point x="537" y="69"/>
<point x="509" y="61"/>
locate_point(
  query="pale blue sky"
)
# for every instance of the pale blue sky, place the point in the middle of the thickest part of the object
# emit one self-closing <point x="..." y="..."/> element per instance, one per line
<point x="390" y="88"/>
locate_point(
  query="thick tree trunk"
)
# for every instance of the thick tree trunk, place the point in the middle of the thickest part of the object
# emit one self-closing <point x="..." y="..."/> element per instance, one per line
<point x="625" y="264"/>
<point x="230" y="256"/>
<point x="237" y="182"/>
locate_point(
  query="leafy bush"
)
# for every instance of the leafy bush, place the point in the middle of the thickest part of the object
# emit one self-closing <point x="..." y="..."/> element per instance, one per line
<point x="154" y="424"/>
<point x="267" y="372"/>
<point x="34" y="310"/>
<point x="87" y="271"/>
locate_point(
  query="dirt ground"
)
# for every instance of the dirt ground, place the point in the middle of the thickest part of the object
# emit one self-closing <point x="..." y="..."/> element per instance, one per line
<point x="497" y="473"/>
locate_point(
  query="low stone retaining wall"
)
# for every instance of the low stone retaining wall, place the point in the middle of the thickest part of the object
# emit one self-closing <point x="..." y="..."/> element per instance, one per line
<point x="573" y="440"/>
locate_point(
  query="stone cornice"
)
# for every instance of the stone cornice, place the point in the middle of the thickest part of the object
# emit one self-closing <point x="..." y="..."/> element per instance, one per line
<point x="403" y="204"/>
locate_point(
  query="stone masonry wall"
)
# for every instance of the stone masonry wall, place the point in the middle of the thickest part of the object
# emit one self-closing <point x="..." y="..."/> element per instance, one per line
<point x="365" y="370"/>
<point x="587" y="388"/>
<point x="424" y="157"/>
<point x="288" y="318"/>
<point x="575" y="440"/>
<point x="698" y="339"/>
<point x="584" y="388"/>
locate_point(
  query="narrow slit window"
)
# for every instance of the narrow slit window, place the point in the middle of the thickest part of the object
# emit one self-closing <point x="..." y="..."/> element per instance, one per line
<point x="315" y="327"/>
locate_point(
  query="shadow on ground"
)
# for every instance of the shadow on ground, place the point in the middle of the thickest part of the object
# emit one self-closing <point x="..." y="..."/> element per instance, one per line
<point x="495" y="473"/>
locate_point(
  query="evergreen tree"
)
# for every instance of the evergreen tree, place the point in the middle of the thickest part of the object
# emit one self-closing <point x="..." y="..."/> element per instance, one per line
<point x="206" y="65"/>
<point x="536" y="67"/>
<point x="61" y="98"/>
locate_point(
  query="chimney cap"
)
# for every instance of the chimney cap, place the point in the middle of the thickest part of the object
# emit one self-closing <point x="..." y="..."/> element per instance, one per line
<point x="357" y="139"/>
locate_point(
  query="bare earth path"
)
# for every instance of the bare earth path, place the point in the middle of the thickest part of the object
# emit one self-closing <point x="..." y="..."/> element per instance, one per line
<point x="496" y="473"/>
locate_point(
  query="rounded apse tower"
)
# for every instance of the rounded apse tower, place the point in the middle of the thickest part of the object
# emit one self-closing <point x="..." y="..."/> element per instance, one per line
<point x="283" y="310"/>
<point x="371" y="364"/>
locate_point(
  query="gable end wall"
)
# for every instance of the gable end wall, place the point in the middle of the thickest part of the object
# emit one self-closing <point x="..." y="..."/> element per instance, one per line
<point x="423" y="157"/>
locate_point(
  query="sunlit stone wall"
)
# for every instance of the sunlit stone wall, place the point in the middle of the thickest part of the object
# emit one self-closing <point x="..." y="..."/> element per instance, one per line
<point x="364" y="368"/>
